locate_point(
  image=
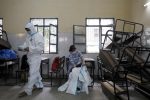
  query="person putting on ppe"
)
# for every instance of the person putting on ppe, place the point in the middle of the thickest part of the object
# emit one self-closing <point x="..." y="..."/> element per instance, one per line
<point x="79" y="78"/>
<point x="33" y="45"/>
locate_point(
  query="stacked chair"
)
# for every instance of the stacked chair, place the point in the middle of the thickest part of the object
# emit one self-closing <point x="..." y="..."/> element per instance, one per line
<point x="6" y="65"/>
<point x="58" y="72"/>
<point x="124" y="60"/>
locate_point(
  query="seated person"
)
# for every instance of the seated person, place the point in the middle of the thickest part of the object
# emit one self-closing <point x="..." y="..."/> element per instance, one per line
<point x="79" y="78"/>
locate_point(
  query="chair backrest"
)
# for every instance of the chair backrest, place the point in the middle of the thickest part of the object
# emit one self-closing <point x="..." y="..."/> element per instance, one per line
<point x="4" y="43"/>
<point x="61" y="63"/>
<point x="55" y="64"/>
<point x="24" y="63"/>
<point x="132" y="52"/>
<point x="109" y="61"/>
<point x="58" y="63"/>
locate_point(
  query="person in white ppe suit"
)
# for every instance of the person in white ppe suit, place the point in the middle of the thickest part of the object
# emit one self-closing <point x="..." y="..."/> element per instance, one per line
<point x="33" y="45"/>
<point x="79" y="78"/>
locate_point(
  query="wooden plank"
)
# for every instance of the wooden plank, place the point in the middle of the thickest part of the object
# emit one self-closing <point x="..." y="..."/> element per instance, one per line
<point x="123" y="97"/>
<point x="134" y="79"/>
<point x="107" y="57"/>
<point x="117" y="87"/>
<point x="137" y="58"/>
<point x="111" y="88"/>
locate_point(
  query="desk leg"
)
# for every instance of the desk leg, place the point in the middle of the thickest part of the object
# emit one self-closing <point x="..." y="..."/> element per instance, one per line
<point x="48" y="69"/>
<point x="41" y="70"/>
<point x="5" y="73"/>
<point x="93" y="67"/>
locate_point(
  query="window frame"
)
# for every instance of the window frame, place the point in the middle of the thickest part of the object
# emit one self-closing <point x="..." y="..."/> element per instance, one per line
<point x="83" y="43"/>
<point x="1" y="33"/>
<point x="49" y="33"/>
<point x="100" y="31"/>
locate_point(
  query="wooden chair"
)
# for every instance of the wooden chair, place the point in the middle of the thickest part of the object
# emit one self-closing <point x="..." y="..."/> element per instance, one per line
<point x="22" y="73"/>
<point x="112" y="66"/>
<point x="58" y="70"/>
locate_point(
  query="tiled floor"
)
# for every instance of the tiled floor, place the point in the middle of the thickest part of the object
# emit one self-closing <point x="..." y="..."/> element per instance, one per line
<point x="51" y="93"/>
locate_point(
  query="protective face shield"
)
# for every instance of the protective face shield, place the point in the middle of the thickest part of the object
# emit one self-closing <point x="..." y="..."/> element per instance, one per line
<point x="30" y="29"/>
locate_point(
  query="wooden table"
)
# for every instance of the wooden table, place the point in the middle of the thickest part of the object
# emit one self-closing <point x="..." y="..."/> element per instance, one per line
<point x="6" y="63"/>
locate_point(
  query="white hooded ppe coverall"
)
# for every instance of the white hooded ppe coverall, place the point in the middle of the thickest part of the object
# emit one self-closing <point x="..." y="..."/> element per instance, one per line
<point x="35" y="42"/>
<point x="78" y="77"/>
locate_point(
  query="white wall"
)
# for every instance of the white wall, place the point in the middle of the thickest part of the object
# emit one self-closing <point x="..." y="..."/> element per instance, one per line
<point x="140" y="13"/>
<point x="65" y="40"/>
<point x="16" y="13"/>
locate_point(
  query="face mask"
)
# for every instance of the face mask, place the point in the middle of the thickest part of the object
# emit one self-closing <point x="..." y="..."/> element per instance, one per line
<point x="74" y="52"/>
<point x="29" y="32"/>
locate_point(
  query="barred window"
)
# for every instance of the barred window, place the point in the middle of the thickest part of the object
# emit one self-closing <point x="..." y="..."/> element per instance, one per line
<point x="49" y="28"/>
